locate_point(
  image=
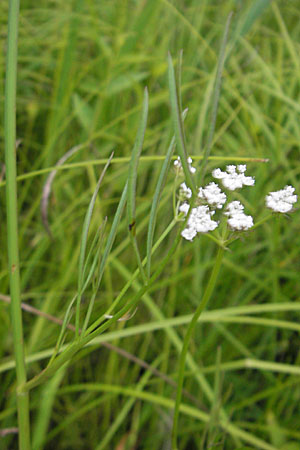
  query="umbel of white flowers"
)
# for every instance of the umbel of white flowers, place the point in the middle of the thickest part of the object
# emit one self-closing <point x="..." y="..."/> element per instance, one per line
<point x="282" y="201"/>
<point x="210" y="198"/>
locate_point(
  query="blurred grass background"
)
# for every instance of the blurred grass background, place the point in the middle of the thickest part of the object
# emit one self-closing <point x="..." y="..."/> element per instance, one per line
<point x="82" y="71"/>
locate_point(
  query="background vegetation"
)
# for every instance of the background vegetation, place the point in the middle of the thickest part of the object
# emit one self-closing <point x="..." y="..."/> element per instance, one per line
<point x="83" y="66"/>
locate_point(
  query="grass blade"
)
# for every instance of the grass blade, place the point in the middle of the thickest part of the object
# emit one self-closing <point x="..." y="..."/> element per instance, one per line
<point x="98" y="280"/>
<point x="84" y="236"/>
<point x="48" y="184"/>
<point x="13" y="268"/>
<point x="110" y="239"/>
<point x="156" y="198"/>
<point x="215" y="99"/>
<point x="178" y="125"/>
<point x="132" y="177"/>
<point x="64" y="326"/>
<point x="256" y="10"/>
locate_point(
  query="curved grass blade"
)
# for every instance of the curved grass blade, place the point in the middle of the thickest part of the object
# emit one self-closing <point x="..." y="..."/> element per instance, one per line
<point x="84" y="237"/>
<point x="48" y="184"/>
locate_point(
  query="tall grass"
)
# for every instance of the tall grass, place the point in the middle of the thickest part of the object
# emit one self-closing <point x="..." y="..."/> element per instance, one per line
<point x="12" y="224"/>
<point x="82" y="70"/>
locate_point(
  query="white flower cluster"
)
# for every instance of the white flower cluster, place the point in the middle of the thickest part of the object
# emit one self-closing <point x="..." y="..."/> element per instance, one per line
<point x="185" y="192"/>
<point x="213" y="195"/>
<point x="234" y="177"/>
<point x="210" y="198"/>
<point x="199" y="221"/>
<point x="237" y="219"/>
<point x="178" y="165"/>
<point x="281" y="201"/>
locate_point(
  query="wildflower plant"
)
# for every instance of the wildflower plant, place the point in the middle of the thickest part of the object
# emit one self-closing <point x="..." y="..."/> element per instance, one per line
<point x="211" y="199"/>
<point x="199" y="206"/>
<point x="208" y="208"/>
<point x="206" y="212"/>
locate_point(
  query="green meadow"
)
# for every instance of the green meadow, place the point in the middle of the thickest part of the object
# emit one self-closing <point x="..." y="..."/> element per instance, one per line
<point x="112" y="354"/>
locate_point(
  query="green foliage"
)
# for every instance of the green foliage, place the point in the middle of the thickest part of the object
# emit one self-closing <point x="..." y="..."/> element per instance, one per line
<point x="82" y="71"/>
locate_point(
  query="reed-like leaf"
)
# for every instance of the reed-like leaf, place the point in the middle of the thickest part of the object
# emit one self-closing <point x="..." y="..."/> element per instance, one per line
<point x="156" y="198"/>
<point x="178" y="125"/>
<point x="83" y="245"/>
<point x="132" y="179"/>
<point x="98" y="278"/>
<point x="215" y="99"/>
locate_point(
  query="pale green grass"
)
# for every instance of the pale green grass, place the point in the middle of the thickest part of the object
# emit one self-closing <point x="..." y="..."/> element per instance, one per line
<point x="83" y="67"/>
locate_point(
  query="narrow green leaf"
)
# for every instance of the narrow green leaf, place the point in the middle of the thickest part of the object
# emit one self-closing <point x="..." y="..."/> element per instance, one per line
<point x="215" y="99"/>
<point x="98" y="279"/>
<point x="83" y="112"/>
<point x="255" y="11"/>
<point x="94" y="245"/>
<point x="132" y="177"/>
<point x="157" y="196"/>
<point x="47" y="398"/>
<point x="178" y="125"/>
<point x="111" y="237"/>
<point x="125" y="81"/>
<point x="65" y="323"/>
<point x="84" y="237"/>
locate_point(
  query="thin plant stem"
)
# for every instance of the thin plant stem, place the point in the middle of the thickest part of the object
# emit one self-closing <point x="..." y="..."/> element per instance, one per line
<point x="78" y="344"/>
<point x="12" y="222"/>
<point x="216" y="96"/>
<point x="206" y="297"/>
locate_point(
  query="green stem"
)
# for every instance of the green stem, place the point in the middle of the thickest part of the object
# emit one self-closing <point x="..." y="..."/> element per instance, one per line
<point x="12" y="221"/>
<point x="129" y="283"/>
<point x="207" y="295"/>
<point x="73" y="348"/>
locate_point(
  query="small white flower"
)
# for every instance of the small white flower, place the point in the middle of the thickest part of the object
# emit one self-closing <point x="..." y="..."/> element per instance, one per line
<point x="199" y="221"/>
<point x="231" y="169"/>
<point x="190" y="161"/>
<point x="200" y="218"/>
<point x="213" y="195"/>
<point x="185" y="191"/>
<point x="233" y="208"/>
<point x="240" y="222"/>
<point x="217" y="173"/>
<point x="281" y="201"/>
<point x="177" y="163"/>
<point x="184" y="208"/>
<point x="241" y="168"/>
<point x="189" y="233"/>
<point x="237" y="219"/>
<point x="234" y="177"/>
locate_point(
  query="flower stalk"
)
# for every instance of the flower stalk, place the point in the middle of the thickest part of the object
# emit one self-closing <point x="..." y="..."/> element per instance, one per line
<point x="206" y="297"/>
<point x="12" y="222"/>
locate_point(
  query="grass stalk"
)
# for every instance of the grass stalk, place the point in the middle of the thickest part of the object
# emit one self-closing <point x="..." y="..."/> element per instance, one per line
<point x="78" y="344"/>
<point x="215" y="99"/>
<point x="12" y="222"/>
<point x="206" y="297"/>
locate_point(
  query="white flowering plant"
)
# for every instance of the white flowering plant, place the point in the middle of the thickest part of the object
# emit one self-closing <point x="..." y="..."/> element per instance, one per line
<point x="89" y="276"/>
<point x="206" y="209"/>
<point x="222" y="218"/>
<point x="210" y="200"/>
